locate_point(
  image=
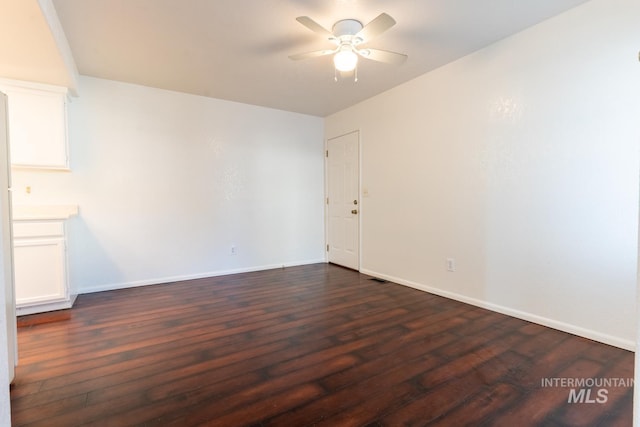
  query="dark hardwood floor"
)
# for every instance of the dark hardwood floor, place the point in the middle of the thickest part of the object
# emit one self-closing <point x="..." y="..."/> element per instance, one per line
<point x="312" y="345"/>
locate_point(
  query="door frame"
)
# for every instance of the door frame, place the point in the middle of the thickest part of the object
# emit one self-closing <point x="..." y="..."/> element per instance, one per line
<point x="8" y="330"/>
<point x="326" y="194"/>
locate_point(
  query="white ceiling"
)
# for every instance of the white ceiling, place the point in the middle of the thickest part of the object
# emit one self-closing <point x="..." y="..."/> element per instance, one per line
<point x="238" y="49"/>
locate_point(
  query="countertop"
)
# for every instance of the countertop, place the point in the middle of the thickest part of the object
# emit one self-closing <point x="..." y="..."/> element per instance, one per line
<point x="43" y="212"/>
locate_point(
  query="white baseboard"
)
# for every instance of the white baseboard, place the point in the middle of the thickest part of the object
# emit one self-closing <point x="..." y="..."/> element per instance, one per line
<point x="160" y="280"/>
<point x="551" y="323"/>
<point x="44" y="307"/>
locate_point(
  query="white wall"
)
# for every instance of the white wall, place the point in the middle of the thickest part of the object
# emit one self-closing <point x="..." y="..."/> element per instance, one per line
<point x="521" y="162"/>
<point x="168" y="182"/>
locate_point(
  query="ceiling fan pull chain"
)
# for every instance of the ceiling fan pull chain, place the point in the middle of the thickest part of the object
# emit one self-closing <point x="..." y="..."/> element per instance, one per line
<point x="335" y="75"/>
<point x="355" y="78"/>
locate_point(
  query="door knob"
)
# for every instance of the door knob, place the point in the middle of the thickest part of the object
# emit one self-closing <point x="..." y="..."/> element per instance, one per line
<point x="355" y="211"/>
<point x="355" y="202"/>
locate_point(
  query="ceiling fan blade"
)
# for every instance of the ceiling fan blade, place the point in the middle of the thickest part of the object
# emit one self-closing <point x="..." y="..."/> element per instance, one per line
<point x="383" y="56"/>
<point x="313" y="54"/>
<point x="376" y="27"/>
<point x="314" y="26"/>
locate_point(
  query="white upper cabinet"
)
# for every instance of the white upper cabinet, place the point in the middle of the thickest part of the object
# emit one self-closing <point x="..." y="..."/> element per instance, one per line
<point x="37" y="125"/>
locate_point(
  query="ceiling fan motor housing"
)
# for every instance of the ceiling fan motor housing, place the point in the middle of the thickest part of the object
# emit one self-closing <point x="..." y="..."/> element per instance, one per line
<point x="346" y="27"/>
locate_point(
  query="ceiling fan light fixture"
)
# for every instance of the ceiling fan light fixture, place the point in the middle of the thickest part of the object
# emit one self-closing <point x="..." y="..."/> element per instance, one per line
<point x="348" y="35"/>
<point x="345" y="60"/>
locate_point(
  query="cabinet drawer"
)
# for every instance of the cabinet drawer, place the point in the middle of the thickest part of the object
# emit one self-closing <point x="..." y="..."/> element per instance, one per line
<point x="37" y="229"/>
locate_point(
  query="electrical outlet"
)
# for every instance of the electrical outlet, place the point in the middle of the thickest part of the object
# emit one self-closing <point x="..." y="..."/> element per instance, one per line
<point x="451" y="264"/>
<point x="233" y="250"/>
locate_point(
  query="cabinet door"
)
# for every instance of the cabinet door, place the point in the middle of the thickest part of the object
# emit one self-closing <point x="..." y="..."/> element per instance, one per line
<point x="39" y="268"/>
<point x="37" y="128"/>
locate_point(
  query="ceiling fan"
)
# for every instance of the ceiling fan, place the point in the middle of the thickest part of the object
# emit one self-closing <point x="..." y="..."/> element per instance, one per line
<point x="348" y="35"/>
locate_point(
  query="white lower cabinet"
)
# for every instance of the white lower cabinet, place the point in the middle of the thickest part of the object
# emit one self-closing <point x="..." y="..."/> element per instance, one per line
<point x="40" y="267"/>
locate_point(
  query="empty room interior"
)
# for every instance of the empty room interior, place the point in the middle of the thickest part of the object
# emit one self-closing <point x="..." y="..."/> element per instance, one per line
<point x="312" y="212"/>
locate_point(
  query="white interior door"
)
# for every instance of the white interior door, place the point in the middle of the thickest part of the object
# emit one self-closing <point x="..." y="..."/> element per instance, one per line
<point x="343" y="169"/>
<point x="6" y="250"/>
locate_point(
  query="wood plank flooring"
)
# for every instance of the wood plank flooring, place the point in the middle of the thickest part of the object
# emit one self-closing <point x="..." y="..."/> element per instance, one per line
<point x="313" y="345"/>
